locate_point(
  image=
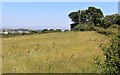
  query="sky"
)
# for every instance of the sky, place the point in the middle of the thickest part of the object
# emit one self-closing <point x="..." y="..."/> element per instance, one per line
<point x="59" y="0"/>
<point x="51" y="15"/>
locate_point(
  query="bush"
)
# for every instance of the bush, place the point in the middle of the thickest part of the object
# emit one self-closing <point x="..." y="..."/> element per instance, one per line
<point x="33" y="32"/>
<point x="112" y="57"/>
<point x="78" y="28"/>
<point x="45" y="31"/>
<point x="51" y="30"/>
<point x="83" y="28"/>
<point x="58" y="30"/>
<point x="114" y="26"/>
<point x="104" y="31"/>
<point x="91" y="28"/>
<point x="66" y="30"/>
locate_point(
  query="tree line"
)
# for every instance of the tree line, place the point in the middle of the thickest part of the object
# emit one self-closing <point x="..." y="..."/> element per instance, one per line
<point x="93" y="16"/>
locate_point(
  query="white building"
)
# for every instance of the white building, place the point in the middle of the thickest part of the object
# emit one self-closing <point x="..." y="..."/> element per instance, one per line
<point x="0" y="32"/>
<point x="21" y="32"/>
<point x="6" y="32"/>
<point x="14" y="31"/>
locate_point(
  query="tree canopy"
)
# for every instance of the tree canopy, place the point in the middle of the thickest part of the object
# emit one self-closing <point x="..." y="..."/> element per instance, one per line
<point x="86" y="16"/>
<point x="93" y="16"/>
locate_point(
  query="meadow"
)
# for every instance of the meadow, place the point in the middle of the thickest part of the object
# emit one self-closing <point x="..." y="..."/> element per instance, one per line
<point x="62" y="52"/>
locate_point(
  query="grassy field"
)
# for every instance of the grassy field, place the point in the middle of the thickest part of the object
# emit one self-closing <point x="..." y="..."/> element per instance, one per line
<point x="62" y="52"/>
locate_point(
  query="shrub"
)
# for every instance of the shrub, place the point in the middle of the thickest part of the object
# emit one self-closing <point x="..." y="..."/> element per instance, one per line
<point x="91" y="28"/>
<point x="113" y="30"/>
<point x="112" y="57"/>
<point x="51" y="30"/>
<point x="33" y="32"/>
<point x="58" y="30"/>
<point x="66" y="30"/>
<point x="77" y="28"/>
<point x="83" y="28"/>
<point x="45" y="31"/>
<point x="104" y="31"/>
<point x="114" y="26"/>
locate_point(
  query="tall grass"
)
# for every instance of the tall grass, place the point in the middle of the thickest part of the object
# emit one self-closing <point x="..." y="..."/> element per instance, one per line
<point x="69" y="52"/>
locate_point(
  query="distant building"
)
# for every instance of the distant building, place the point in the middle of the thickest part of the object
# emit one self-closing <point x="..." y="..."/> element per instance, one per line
<point x="6" y="32"/>
<point x="21" y="32"/>
<point x="14" y="31"/>
<point x="1" y="32"/>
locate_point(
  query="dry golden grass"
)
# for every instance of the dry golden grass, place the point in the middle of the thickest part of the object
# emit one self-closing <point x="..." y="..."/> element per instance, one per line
<point x="63" y="52"/>
<point x="0" y="54"/>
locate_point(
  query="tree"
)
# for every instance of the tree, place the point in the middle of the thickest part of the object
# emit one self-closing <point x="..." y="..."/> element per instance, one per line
<point x="74" y="17"/>
<point x="93" y="14"/>
<point x="99" y="22"/>
<point x="51" y="30"/>
<point x="73" y="25"/>
<point x="45" y="31"/>
<point x="86" y="16"/>
<point x="111" y="19"/>
<point x="117" y="19"/>
<point x="66" y="30"/>
<point x="58" y="30"/>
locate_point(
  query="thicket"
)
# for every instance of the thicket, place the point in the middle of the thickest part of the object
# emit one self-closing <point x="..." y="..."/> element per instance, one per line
<point x="111" y="63"/>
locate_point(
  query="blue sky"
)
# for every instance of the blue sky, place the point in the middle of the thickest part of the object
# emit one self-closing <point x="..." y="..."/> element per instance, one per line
<point x="40" y="15"/>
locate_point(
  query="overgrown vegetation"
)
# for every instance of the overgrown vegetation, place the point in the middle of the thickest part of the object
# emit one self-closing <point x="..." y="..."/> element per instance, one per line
<point x="112" y="57"/>
<point x="50" y="31"/>
<point x="68" y="52"/>
<point x="113" y="29"/>
<point x="83" y="28"/>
